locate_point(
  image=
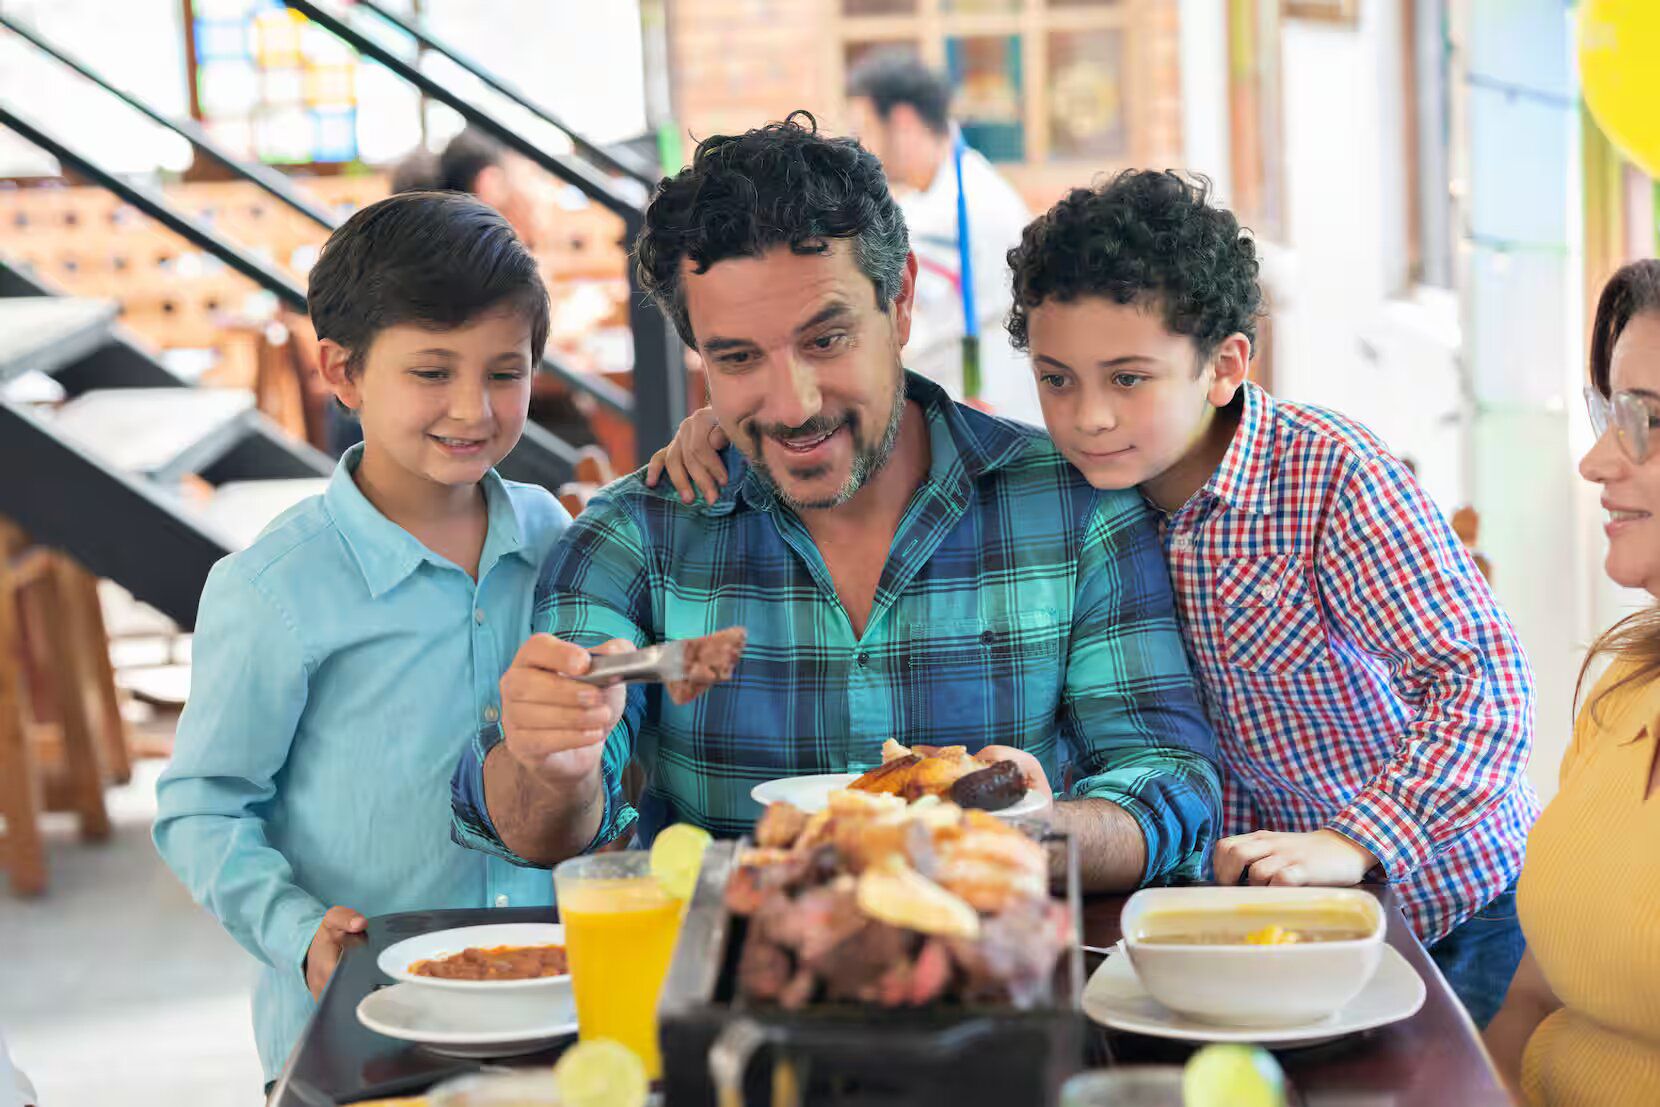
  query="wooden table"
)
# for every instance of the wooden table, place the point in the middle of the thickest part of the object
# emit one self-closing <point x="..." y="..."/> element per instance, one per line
<point x="1434" y="1059"/>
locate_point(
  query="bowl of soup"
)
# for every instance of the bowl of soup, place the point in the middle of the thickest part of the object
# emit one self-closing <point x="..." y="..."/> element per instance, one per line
<point x="1254" y="957"/>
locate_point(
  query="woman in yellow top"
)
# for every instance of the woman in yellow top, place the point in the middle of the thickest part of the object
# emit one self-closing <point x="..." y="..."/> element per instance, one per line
<point x="1581" y="1022"/>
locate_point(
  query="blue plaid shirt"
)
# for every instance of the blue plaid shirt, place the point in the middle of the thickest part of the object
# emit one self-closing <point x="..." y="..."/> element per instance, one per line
<point x="1018" y="606"/>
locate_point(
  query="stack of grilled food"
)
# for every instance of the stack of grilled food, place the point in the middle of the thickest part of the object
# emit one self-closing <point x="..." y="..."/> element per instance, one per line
<point x="881" y="900"/>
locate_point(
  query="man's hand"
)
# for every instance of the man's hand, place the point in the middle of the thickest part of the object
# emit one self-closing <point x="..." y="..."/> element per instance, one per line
<point x="552" y="725"/>
<point x="1319" y="857"/>
<point x="324" y="954"/>
<point x="692" y="460"/>
<point x="1030" y="767"/>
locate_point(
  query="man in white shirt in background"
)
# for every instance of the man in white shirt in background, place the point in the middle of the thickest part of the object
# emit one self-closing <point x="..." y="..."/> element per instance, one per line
<point x="901" y="113"/>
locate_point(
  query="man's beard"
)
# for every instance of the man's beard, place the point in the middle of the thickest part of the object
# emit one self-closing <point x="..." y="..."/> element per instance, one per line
<point x="867" y="460"/>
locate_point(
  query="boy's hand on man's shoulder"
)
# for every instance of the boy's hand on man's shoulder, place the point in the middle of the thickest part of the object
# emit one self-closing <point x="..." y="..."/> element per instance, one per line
<point x="692" y="460"/>
<point x="1320" y="857"/>
<point x="553" y="725"/>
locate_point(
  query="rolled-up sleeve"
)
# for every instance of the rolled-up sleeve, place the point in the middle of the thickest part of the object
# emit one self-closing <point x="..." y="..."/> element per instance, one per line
<point x="1131" y="715"/>
<point x="248" y="688"/>
<point x="470" y="824"/>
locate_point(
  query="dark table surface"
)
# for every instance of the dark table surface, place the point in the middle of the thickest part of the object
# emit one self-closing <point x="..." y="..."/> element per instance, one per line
<point x="1434" y="1058"/>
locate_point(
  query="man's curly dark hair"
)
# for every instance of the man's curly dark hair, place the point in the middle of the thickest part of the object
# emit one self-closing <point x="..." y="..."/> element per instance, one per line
<point x="1144" y="237"/>
<point x="779" y="185"/>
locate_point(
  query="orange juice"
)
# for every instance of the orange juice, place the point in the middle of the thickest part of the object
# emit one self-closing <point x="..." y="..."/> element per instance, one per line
<point x="620" y="932"/>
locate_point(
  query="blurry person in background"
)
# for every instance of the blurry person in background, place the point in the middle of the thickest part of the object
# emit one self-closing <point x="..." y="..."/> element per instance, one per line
<point x="417" y="171"/>
<point x="474" y="162"/>
<point x="901" y="113"/>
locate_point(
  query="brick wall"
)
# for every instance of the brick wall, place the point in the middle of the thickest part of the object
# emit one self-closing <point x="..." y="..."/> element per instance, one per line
<point x="739" y="63"/>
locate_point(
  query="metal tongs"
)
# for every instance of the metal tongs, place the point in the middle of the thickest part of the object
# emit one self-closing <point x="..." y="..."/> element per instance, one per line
<point x="664" y="663"/>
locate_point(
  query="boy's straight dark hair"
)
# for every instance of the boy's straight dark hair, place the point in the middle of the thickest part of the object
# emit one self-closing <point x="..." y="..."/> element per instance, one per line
<point x="1148" y="238"/>
<point x="434" y="259"/>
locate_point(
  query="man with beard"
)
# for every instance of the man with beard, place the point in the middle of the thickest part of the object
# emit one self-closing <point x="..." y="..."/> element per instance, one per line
<point x="906" y="567"/>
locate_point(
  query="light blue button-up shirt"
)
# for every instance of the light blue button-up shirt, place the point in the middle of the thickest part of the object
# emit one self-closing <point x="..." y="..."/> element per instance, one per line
<point x="340" y="668"/>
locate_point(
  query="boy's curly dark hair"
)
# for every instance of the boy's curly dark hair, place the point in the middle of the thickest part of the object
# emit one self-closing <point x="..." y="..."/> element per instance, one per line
<point x="779" y="185"/>
<point x="1143" y="237"/>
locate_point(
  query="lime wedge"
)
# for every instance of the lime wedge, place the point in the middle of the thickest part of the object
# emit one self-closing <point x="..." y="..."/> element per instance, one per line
<point x="600" y="1072"/>
<point x="1233" y="1076"/>
<point x="676" y="857"/>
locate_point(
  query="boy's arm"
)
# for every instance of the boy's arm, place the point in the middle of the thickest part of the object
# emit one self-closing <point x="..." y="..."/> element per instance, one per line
<point x="248" y="688"/>
<point x="1396" y="582"/>
<point x="593" y="589"/>
<point x="1130" y="710"/>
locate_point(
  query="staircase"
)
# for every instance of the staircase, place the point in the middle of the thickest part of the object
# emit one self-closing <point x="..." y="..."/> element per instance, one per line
<point x="148" y="480"/>
<point x="102" y="475"/>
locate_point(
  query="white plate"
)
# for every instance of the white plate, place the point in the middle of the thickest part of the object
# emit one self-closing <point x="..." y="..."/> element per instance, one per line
<point x="460" y="1025"/>
<point x="1114" y="997"/>
<point x="812" y="793"/>
<point x="395" y="960"/>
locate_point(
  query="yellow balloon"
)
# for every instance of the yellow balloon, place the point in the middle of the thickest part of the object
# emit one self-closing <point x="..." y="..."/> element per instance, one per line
<point x="1619" y="72"/>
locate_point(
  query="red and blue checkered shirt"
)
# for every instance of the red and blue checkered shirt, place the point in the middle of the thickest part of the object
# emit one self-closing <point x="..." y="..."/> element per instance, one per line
<point x="1358" y="672"/>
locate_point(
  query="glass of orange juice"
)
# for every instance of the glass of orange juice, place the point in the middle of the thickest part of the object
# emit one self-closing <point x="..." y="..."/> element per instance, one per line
<point x="620" y="929"/>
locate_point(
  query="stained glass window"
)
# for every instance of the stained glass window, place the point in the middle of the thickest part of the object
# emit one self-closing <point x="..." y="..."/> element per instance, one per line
<point x="985" y="71"/>
<point x="271" y="85"/>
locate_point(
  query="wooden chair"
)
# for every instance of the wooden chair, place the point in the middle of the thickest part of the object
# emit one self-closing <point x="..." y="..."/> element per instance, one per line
<point x="593" y="466"/>
<point x="22" y="850"/>
<point x="62" y="738"/>
<point x="574" y="496"/>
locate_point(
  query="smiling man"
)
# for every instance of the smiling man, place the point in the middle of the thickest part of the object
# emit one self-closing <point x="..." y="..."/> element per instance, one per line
<point x="906" y="567"/>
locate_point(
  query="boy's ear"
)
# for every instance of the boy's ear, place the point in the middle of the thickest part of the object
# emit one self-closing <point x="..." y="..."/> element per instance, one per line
<point x="1232" y="362"/>
<point x="332" y="360"/>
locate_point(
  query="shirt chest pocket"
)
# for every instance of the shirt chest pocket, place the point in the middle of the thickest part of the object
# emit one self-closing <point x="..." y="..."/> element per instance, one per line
<point x="1270" y="616"/>
<point x="972" y="681"/>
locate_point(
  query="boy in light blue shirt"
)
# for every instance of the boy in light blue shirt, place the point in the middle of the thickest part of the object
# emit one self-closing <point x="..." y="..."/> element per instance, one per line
<point x="343" y="661"/>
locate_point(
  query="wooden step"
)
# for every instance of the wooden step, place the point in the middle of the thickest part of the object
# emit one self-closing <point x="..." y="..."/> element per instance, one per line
<point x="46" y="333"/>
<point x="156" y="432"/>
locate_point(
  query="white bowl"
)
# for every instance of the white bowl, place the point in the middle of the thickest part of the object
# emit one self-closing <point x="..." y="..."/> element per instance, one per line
<point x="1254" y="986"/>
<point x="395" y="960"/>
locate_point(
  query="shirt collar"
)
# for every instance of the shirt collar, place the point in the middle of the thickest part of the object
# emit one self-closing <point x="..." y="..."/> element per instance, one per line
<point x="386" y="554"/>
<point x="1244" y="480"/>
<point x="964" y="442"/>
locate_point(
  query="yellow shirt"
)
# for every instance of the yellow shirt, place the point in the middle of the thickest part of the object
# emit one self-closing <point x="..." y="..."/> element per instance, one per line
<point x="1589" y="901"/>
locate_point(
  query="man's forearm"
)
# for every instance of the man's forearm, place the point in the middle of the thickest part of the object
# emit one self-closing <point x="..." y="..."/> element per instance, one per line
<point x="1112" y="852"/>
<point x="538" y="821"/>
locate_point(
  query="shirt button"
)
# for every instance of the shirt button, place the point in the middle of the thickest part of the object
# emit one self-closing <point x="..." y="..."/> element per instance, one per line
<point x="864" y="659"/>
<point x="478" y="616"/>
<point x="491" y="714"/>
<point x="501" y="901"/>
